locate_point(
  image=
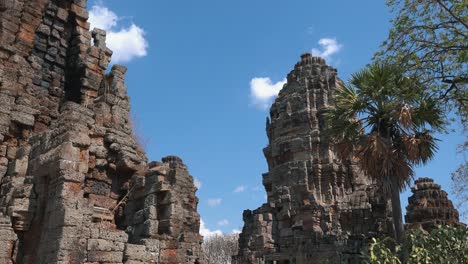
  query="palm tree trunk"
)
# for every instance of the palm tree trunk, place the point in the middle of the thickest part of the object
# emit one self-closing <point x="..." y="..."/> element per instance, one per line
<point x="396" y="211"/>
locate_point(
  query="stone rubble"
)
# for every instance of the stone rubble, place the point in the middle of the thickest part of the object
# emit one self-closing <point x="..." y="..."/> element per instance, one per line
<point x="75" y="186"/>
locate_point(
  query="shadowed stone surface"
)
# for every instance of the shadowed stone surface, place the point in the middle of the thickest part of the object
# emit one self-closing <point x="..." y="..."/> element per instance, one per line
<point x="429" y="207"/>
<point x="317" y="208"/>
<point x="75" y="187"/>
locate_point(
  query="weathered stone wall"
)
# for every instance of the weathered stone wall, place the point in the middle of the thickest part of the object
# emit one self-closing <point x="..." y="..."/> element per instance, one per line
<point x="163" y="220"/>
<point x="429" y="207"/>
<point x="75" y="187"/>
<point x="318" y="208"/>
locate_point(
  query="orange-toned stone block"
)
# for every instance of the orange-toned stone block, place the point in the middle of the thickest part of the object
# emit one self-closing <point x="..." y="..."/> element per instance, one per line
<point x="168" y="256"/>
<point x="26" y="36"/>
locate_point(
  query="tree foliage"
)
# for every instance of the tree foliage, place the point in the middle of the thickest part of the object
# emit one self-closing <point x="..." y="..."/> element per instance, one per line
<point x="428" y="39"/>
<point x="460" y="184"/>
<point x="219" y="249"/>
<point x="385" y="122"/>
<point x="442" y="245"/>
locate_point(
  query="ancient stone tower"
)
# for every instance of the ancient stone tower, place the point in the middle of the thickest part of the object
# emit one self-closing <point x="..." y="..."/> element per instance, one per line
<point x="75" y="187"/>
<point x="318" y="209"/>
<point x="429" y="206"/>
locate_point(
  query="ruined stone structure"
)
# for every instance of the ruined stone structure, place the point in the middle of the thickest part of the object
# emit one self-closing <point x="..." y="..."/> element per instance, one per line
<point x="429" y="207"/>
<point x="317" y="209"/>
<point x="75" y="187"/>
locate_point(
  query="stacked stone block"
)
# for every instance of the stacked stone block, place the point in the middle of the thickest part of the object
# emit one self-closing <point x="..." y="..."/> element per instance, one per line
<point x="70" y="168"/>
<point x="317" y="207"/>
<point x="7" y="240"/>
<point x="166" y="216"/>
<point x="429" y="207"/>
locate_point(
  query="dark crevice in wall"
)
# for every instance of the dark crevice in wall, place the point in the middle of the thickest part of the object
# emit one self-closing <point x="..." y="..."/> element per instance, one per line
<point x="30" y="237"/>
<point x="74" y="69"/>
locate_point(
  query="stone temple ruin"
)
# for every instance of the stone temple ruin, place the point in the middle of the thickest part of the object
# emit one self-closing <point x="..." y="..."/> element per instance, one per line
<point x="75" y="187"/>
<point x="429" y="207"/>
<point x="319" y="209"/>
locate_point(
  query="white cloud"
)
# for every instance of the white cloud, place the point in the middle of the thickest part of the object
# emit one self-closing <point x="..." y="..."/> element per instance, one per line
<point x="263" y="91"/>
<point x="126" y="43"/>
<point x="101" y="17"/>
<point x="197" y="183"/>
<point x="239" y="189"/>
<point x="236" y="231"/>
<point x="329" y="47"/>
<point x="205" y="232"/>
<point x="223" y="222"/>
<point x="214" y="202"/>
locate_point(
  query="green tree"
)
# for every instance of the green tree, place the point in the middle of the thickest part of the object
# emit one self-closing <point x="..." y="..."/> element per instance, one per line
<point x="428" y="38"/>
<point x="442" y="245"/>
<point x="385" y="121"/>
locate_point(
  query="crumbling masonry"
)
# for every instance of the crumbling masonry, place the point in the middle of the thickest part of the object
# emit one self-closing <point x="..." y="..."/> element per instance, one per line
<point x="317" y="209"/>
<point x="429" y="207"/>
<point x="75" y="187"/>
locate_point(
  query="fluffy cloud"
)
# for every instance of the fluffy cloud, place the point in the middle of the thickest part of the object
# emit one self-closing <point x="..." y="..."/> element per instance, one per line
<point x="223" y="222"/>
<point x="197" y="183"/>
<point x="101" y="17"/>
<point x="263" y="91"/>
<point x="329" y="47"/>
<point x="236" y="231"/>
<point x="205" y="232"/>
<point x="214" y="202"/>
<point x="127" y="43"/>
<point x="239" y="189"/>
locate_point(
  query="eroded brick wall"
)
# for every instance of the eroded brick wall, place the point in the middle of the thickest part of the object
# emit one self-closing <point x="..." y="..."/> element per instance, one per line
<point x="75" y="186"/>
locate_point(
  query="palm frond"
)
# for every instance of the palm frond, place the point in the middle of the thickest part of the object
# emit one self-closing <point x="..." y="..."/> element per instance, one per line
<point x="382" y="119"/>
<point x="427" y="146"/>
<point x="411" y="145"/>
<point x="428" y="112"/>
<point x="404" y="115"/>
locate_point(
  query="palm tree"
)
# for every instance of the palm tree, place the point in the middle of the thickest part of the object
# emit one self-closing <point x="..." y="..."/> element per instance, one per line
<point x="385" y="121"/>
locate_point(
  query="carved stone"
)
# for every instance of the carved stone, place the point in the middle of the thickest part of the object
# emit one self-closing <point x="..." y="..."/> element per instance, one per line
<point x="429" y="207"/>
<point x="318" y="208"/>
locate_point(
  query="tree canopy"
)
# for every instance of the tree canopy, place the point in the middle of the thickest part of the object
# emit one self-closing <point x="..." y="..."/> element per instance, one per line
<point x="429" y="40"/>
<point x="385" y="121"/>
<point x="445" y="244"/>
<point x="384" y="114"/>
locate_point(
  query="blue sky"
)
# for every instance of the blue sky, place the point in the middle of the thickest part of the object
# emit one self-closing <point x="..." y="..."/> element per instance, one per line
<point x="192" y="68"/>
